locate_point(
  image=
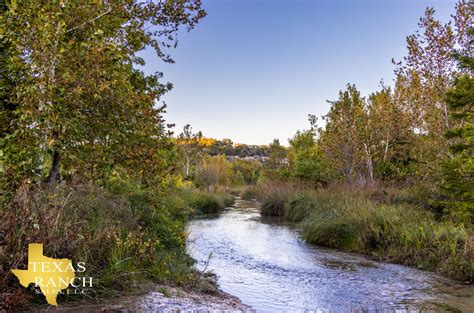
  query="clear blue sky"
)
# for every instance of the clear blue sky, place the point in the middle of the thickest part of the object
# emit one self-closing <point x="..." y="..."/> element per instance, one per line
<point x="252" y="70"/>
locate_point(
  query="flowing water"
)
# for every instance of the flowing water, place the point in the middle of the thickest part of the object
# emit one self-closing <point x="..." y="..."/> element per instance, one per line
<point x="268" y="266"/>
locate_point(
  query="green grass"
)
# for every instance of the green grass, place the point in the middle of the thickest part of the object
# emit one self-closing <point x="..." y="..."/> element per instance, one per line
<point x="299" y="205"/>
<point x="273" y="197"/>
<point x="203" y="202"/>
<point x="273" y="205"/>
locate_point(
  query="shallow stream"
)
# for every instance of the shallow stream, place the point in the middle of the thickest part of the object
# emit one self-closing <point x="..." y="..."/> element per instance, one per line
<point x="268" y="266"/>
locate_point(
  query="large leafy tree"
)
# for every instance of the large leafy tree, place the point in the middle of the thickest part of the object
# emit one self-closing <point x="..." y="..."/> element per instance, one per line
<point x="343" y="139"/>
<point x="388" y="136"/>
<point x="79" y="100"/>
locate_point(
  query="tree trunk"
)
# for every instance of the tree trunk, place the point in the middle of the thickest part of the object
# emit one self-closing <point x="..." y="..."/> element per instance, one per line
<point x="187" y="166"/>
<point x="386" y="150"/>
<point x="347" y="165"/>
<point x="53" y="174"/>
<point x="370" y="167"/>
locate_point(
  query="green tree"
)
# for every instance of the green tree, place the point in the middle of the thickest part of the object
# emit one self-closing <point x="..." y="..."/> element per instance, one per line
<point x="344" y="137"/>
<point x="389" y="136"/>
<point x="306" y="160"/>
<point x="212" y="171"/>
<point x="80" y="104"/>
<point x="6" y="85"/>
<point x="458" y="185"/>
<point x="276" y="163"/>
<point x="248" y="170"/>
<point x="190" y="149"/>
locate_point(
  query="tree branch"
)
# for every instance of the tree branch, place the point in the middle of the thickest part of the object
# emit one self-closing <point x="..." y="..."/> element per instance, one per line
<point x="89" y="21"/>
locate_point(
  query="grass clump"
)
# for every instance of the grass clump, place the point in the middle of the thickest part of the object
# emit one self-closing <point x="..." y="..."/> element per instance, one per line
<point x="204" y="202"/>
<point x="299" y="206"/>
<point x="249" y="193"/>
<point x="273" y="197"/>
<point x="273" y="204"/>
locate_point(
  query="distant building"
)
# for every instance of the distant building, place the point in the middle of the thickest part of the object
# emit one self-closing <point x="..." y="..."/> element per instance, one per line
<point x="258" y="158"/>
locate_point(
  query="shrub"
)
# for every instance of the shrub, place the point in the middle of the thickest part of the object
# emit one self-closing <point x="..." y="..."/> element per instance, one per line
<point x="124" y="233"/>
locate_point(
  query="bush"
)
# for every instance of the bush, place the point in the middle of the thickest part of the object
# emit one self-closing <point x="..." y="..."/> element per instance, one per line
<point x="124" y="233"/>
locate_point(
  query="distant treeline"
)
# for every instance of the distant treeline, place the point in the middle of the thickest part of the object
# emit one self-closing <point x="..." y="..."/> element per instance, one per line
<point x="224" y="146"/>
